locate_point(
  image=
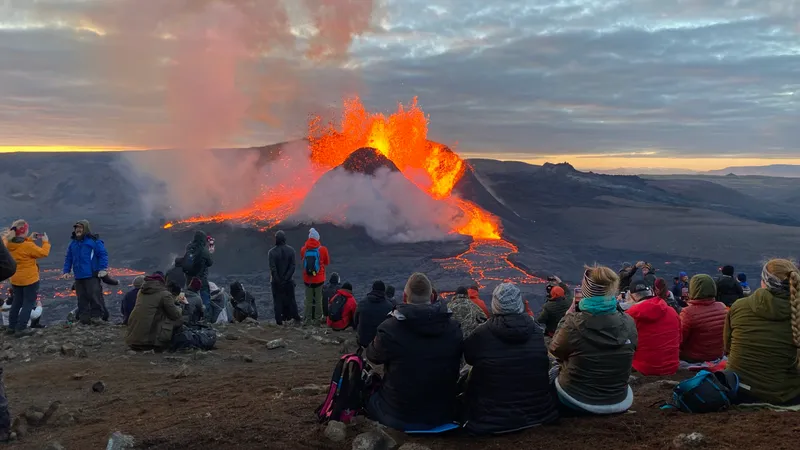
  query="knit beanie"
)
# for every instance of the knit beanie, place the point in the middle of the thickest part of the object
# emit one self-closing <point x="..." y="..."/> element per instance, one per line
<point x="728" y="270"/>
<point x="462" y="291"/>
<point x="507" y="299"/>
<point x="701" y="287"/>
<point x="557" y="292"/>
<point x="742" y="277"/>
<point x="379" y="286"/>
<point x="195" y="284"/>
<point x="138" y="282"/>
<point x="347" y="286"/>
<point x="313" y="234"/>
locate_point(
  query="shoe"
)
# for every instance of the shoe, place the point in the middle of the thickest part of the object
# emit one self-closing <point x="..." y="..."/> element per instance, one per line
<point x="23" y="333"/>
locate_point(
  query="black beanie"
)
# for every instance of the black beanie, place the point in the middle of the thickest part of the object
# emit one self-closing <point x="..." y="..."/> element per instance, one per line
<point x="461" y="291"/>
<point x="728" y="270"/>
<point x="379" y="286"/>
<point x="347" y="286"/>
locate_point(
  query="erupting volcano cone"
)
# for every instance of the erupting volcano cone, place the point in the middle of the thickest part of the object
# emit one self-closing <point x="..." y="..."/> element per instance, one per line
<point x="367" y="161"/>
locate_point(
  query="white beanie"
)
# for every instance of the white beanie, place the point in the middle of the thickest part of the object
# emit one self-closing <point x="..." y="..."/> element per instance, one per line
<point x="507" y="299"/>
<point x="313" y="234"/>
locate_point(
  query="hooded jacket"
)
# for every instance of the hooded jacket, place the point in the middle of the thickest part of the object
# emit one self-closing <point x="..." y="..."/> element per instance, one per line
<point x="26" y="253"/>
<point x="728" y="290"/>
<point x="702" y="324"/>
<point x="659" y="330"/>
<point x="758" y="340"/>
<point x="329" y="289"/>
<point x="371" y="312"/>
<point x="244" y="304"/>
<point x="552" y="313"/>
<point x="596" y="352"/>
<point x="199" y="244"/>
<point x="7" y="264"/>
<point x="85" y="256"/>
<point x="281" y="261"/>
<point x="475" y="297"/>
<point x="175" y="275"/>
<point x="324" y="260"/>
<point x="128" y="303"/>
<point x="467" y="313"/>
<point x="509" y="385"/>
<point x="420" y="347"/>
<point x="348" y="312"/>
<point x="154" y="317"/>
<point x="194" y="310"/>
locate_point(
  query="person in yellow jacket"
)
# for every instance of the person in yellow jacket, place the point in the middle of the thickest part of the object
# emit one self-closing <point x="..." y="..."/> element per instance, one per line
<point x="25" y="282"/>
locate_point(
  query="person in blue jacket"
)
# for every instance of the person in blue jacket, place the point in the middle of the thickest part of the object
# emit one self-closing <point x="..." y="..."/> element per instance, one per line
<point x="87" y="259"/>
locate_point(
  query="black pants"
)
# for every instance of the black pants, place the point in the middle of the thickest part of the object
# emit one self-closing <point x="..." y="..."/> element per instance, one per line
<point x="22" y="306"/>
<point x="283" y="302"/>
<point x="744" y="396"/>
<point x="5" y="416"/>
<point x="91" y="304"/>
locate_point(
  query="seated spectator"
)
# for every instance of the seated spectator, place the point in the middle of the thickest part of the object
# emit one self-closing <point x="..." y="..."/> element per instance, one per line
<point x="242" y="303"/>
<point x="420" y="346"/>
<point x="329" y="289"/>
<point x="474" y="295"/>
<point x="154" y="317"/>
<point x="129" y="301"/>
<point x="553" y="310"/>
<point x="509" y="386"/>
<point x="595" y="347"/>
<point x="342" y="309"/>
<point x="36" y="316"/>
<point x="371" y="312"/>
<point x="661" y="291"/>
<point x="728" y="289"/>
<point x="702" y="322"/>
<point x="193" y="309"/>
<point x="680" y="289"/>
<point x="742" y="279"/>
<point x="176" y="274"/>
<point x="221" y="310"/>
<point x="659" y="330"/>
<point x="390" y="295"/>
<point x="467" y="313"/>
<point x="762" y="337"/>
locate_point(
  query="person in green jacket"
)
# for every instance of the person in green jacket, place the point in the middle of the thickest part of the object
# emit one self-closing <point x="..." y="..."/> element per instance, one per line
<point x="762" y="337"/>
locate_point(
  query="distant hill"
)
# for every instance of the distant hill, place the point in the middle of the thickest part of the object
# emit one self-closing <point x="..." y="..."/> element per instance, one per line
<point x="646" y="171"/>
<point x="774" y="170"/>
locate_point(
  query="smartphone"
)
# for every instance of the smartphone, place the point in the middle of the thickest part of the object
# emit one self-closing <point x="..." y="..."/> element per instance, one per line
<point x="36" y="236"/>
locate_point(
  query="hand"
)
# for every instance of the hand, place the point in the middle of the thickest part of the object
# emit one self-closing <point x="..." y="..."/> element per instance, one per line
<point x="44" y="237"/>
<point x="63" y="276"/>
<point x="102" y="274"/>
<point x="211" y="249"/>
<point x="556" y="279"/>
<point x="182" y="298"/>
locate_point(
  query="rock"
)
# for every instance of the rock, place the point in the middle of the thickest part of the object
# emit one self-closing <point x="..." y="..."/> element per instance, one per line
<point x="20" y="426"/>
<point x="8" y="346"/>
<point x="374" y="440"/>
<point x="231" y="337"/>
<point x="51" y="411"/>
<point x="162" y="393"/>
<point x="691" y="440"/>
<point x="247" y="358"/>
<point x="336" y="431"/>
<point x="99" y="387"/>
<point x="132" y="353"/>
<point x="51" y="349"/>
<point x="323" y="340"/>
<point x="34" y="416"/>
<point x="8" y="355"/>
<point x="277" y="343"/>
<point x="250" y="321"/>
<point x="310" y="389"/>
<point x="55" y="445"/>
<point x="68" y="349"/>
<point x="633" y="380"/>
<point x="413" y="446"/>
<point x="65" y="420"/>
<point x="119" y="441"/>
<point x="82" y="353"/>
<point x="183" y="372"/>
<point x="175" y="359"/>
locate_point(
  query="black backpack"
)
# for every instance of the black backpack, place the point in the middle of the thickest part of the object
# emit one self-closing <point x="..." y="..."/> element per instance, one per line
<point x="336" y="307"/>
<point x="352" y="382"/>
<point x="705" y="392"/>
<point x="192" y="261"/>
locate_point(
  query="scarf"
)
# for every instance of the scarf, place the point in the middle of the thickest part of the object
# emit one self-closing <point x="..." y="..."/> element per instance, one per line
<point x="598" y="306"/>
<point x="776" y="286"/>
<point x="591" y="289"/>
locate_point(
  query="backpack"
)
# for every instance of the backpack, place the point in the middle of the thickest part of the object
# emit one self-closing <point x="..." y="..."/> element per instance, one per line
<point x="336" y="307"/>
<point x="705" y="392"/>
<point x="352" y="382"/>
<point x="311" y="262"/>
<point x="194" y="337"/>
<point x="192" y="261"/>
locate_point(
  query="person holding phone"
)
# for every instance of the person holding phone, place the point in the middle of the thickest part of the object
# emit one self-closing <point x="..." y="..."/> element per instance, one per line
<point x="25" y="281"/>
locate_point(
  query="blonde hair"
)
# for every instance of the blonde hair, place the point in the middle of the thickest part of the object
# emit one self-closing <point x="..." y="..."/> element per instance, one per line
<point x="418" y="289"/>
<point x="603" y="276"/>
<point x="17" y="224"/>
<point x="786" y="270"/>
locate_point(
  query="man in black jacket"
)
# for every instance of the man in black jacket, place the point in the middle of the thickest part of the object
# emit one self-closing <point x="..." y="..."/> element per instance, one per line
<point x="281" y="270"/>
<point x="8" y="267"/>
<point x="728" y="288"/>
<point x="329" y="289"/>
<point x="200" y="248"/>
<point x="175" y="275"/>
<point x="420" y="346"/>
<point x="371" y="312"/>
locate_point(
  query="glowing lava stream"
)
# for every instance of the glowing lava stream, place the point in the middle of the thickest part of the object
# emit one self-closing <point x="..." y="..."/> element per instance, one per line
<point x="488" y="260"/>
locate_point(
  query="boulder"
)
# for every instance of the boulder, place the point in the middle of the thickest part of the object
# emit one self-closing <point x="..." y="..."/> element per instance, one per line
<point x="183" y="372"/>
<point x="8" y="355"/>
<point x="55" y="445"/>
<point x="247" y="358"/>
<point x="336" y="431"/>
<point x="374" y="440"/>
<point x="69" y="349"/>
<point x="99" y="387"/>
<point x="51" y="349"/>
<point x="82" y="353"/>
<point x="276" y="343"/>
<point x="691" y="440"/>
<point x="120" y="441"/>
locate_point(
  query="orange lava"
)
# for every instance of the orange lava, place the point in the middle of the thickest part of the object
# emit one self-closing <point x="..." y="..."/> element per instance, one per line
<point x="487" y="261"/>
<point x="64" y="287"/>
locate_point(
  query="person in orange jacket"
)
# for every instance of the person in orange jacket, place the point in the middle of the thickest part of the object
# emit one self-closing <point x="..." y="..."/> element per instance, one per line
<point x="25" y="281"/>
<point x="314" y="257"/>
<point x="472" y="292"/>
<point x="342" y="309"/>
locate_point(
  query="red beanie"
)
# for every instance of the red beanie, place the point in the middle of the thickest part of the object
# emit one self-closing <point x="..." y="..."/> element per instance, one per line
<point x="556" y="292"/>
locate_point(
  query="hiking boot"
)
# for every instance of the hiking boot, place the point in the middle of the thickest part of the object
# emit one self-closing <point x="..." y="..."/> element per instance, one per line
<point x="23" y="333"/>
<point x="71" y="317"/>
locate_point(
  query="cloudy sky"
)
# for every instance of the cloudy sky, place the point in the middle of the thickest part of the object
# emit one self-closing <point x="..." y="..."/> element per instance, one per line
<point x="613" y="83"/>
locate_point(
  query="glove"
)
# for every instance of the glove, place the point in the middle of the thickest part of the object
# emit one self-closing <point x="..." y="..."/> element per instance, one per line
<point x="102" y="274"/>
<point x="45" y="238"/>
<point x="64" y="276"/>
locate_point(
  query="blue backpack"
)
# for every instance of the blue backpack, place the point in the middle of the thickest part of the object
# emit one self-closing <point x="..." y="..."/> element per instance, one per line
<point x="311" y="262"/>
<point x="705" y="392"/>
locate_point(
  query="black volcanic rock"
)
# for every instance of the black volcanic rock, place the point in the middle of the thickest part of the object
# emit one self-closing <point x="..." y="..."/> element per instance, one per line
<point x="367" y="160"/>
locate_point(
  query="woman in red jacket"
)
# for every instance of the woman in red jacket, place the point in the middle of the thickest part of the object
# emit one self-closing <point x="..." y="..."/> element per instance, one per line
<point x="342" y="308"/>
<point x="703" y="322"/>
<point x="659" y="329"/>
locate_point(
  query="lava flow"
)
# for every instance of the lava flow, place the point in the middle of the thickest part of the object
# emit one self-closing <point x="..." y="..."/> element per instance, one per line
<point x="488" y="261"/>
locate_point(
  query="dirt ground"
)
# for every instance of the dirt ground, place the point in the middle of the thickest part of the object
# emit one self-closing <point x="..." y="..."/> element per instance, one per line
<point x="241" y="396"/>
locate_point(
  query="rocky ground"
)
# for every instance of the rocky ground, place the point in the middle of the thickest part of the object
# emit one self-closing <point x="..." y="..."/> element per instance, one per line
<point x="72" y="387"/>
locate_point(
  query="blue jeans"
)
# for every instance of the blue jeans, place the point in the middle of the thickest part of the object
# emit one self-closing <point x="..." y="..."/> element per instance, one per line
<point x="205" y="295"/>
<point x="22" y="306"/>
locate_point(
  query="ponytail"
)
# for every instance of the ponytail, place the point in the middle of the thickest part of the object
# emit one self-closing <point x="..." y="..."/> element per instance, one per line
<point x="794" y="303"/>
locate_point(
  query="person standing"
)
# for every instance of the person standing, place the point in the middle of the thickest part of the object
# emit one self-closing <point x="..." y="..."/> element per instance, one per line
<point x="281" y="271"/>
<point x="87" y="260"/>
<point x="315" y="257"/>
<point x="25" y="281"/>
<point x="196" y="262"/>
<point x="8" y="267"/>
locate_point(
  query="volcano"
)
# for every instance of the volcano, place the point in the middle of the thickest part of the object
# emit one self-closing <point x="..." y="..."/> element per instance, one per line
<point x="367" y="161"/>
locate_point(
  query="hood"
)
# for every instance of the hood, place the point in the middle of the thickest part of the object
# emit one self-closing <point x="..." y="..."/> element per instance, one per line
<point x="192" y="294"/>
<point x="769" y="306"/>
<point x="13" y="242"/>
<point x="702" y="286"/>
<point x="425" y="320"/>
<point x="460" y="298"/>
<point x="179" y="261"/>
<point x="200" y="237"/>
<point x="280" y="238"/>
<point x="237" y="289"/>
<point x="153" y="286"/>
<point x="605" y="331"/>
<point x="702" y="301"/>
<point x="87" y="229"/>
<point x="473" y="294"/>
<point x="512" y="328"/>
<point x="649" y="310"/>
<point x="345" y="292"/>
<point x="312" y="243"/>
<point x="376" y="296"/>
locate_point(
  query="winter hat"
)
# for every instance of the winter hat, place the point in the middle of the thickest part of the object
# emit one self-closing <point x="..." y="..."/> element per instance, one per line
<point x="728" y="270"/>
<point x="682" y="274"/>
<point x="742" y="277"/>
<point x="627" y="265"/>
<point x="313" y="234"/>
<point x="701" y="287"/>
<point x="20" y="227"/>
<point x="639" y="287"/>
<point x="156" y="276"/>
<point x="461" y="291"/>
<point x="195" y="284"/>
<point x="347" y="286"/>
<point x="507" y="299"/>
<point x="334" y="279"/>
<point x="379" y="286"/>
<point x="138" y="282"/>
<point x="390" y="291"/>
<point x="557" y="292"/>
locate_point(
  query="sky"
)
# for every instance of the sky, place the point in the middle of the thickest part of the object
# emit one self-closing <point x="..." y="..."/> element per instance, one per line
<point x="690" y="84"/>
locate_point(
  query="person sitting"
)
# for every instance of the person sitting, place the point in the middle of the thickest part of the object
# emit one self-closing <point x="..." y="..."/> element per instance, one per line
<point x="595" y="346"/>
<point x="762" y="337"/>
<point x="330" y="289"/>
<point x="129" y="301"/>
<point x="728" y="289"/>
<point x="659" y="330"/>
<point x="702" y="322"/>
<point x="661" y="291"/>
<point x="680" y="289"/>
<point x="742" y="279"/>
<point x="342" y="309"/>
<point x="176" y="274"/>
<point x="420" y="346"/>
<point x="509" y="386"/>
<point x="154" y="317"/>
<point x="468" y="314"/>
<point x="371" y="312"/>
<point x="193" y="309"/>
<point x="553" y="310"/>
<point x="36" y="316"/>
<point x="390" y="290"/>
<point x="221" y="311"/>
<point x="474" y="295"/>
<point x="242" y="303"/>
